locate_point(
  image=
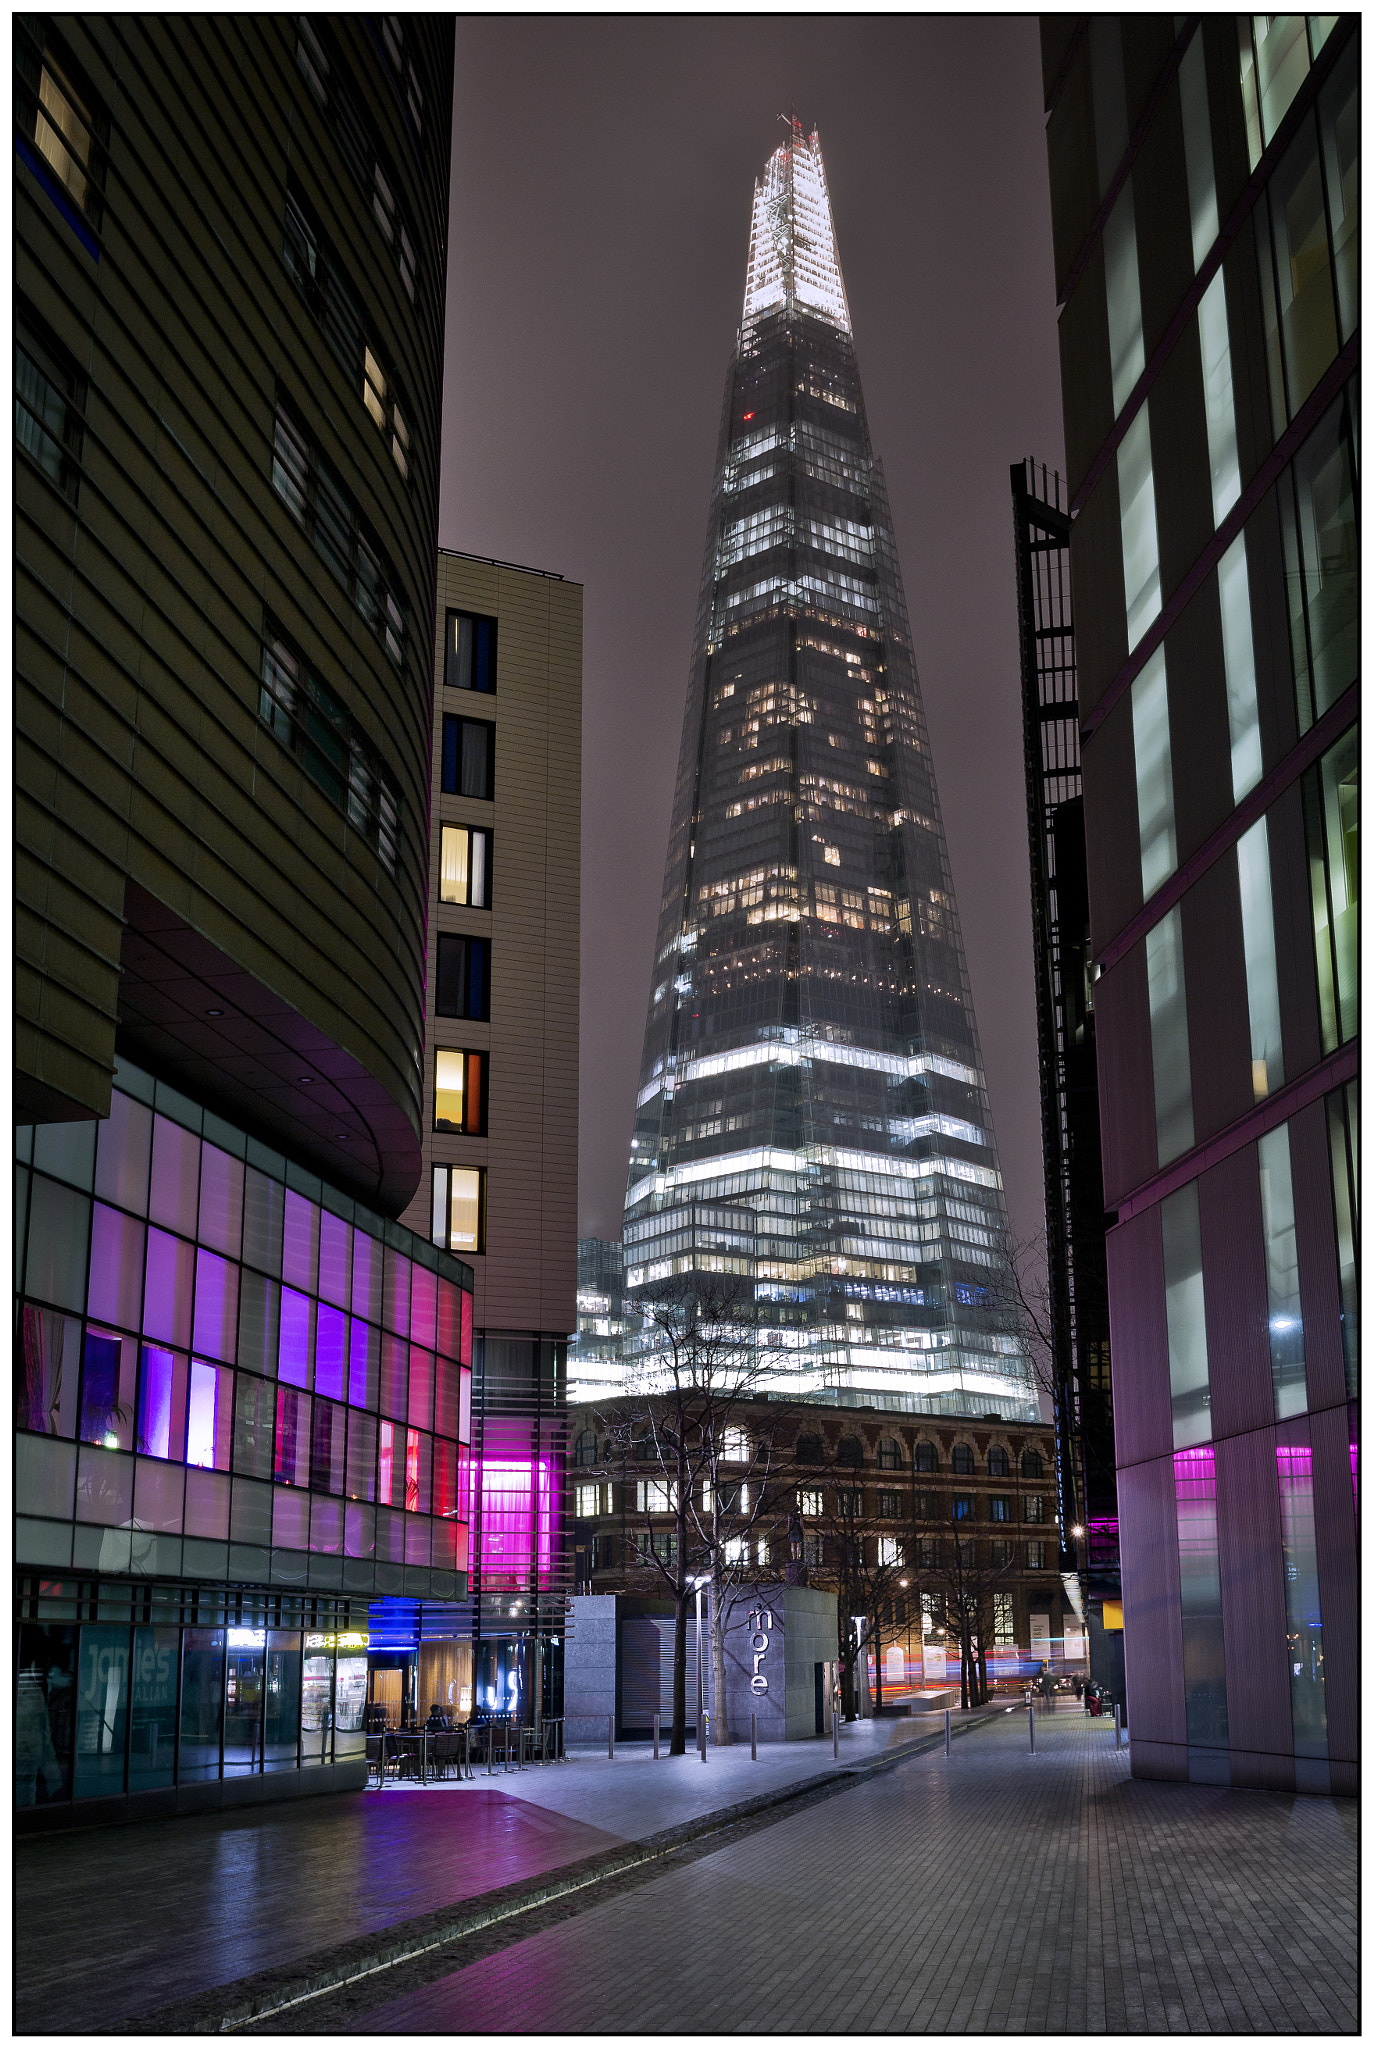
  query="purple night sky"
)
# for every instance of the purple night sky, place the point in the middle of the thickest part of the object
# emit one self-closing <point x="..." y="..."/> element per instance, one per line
<point x="602" y="180"/>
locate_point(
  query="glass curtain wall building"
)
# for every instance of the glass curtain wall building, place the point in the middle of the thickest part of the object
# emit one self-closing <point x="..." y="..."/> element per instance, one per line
<point x="1204" y="181"/>
<point x="812" y="1114"/>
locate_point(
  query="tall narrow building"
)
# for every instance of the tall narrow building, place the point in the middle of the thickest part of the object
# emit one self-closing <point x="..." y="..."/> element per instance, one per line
<point x="812" y="1113"/>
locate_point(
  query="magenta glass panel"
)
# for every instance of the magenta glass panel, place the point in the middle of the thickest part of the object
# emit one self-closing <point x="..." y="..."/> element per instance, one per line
<point x="300" y="1242"/>
<point x="116" y="1267"/>
<point x="391" y="1465"/>
<point x="221" y="1201"/>
<point x="331" y="1333"/>
<point x="210" y="1416"/>
<point x="464" y="1484"/>
<point x="390" y="1536"/>
<point x="168" y="1286"/>
<point x="158" y="1495"/>
<point x="364" y="1363"/>
<point x="449" y="1304"/>
<point x="447" y="1398"/>
<point x="293" y="1357"/>
<point x="395" y="1307"/>
<point x="108" y="1372"/>
<point x="443" y="1538"/>
<point x="162" y="1403"/>
<point x="122" y="1151"/>
<point x="359" y="1529"/>
<point x="362" y="1456"/>
<point x="367" y="1264"/>
<point x="417" y="1539"/>
<point x="395" y="1377"/>
<point x="465" y="1409"/>
<point x="334" y="1235"/>
<point x="445" y="1478"/>
<point x="290" y="1520"/>
<point x="207" y="1505"/>
<point x="327" y="1433"/>
<point x="423" y="1305"/>
<point x="292" y="1463"/>
<point x="216" y="1306"/>
<point x="326" y="1526"/>
<point x="419" y="1459"/>
<point x="515" y="1520"/>
<point x="466" y="1353"/>
<point x="176" y="1177"/>
<point x="420" y="1411"/>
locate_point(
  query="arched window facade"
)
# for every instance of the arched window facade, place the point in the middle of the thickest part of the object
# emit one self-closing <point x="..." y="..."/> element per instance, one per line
<point x="584" y="1450"/>
<point x="926" y="1458"/>
<point x="889" y="1455"/>
<point x="963" y="1460"/>
<point x="998" y="1464"/>
<point x="1031" y="1465"/>
<point x="850" y="1451"/>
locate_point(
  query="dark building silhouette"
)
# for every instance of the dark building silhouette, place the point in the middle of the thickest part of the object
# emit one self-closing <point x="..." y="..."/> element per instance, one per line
<point x="1204" y="177"/>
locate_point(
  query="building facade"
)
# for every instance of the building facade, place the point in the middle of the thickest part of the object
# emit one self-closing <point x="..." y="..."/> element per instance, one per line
<point x="812" y="1114"/>
<point x="499" y="1188"/>
<point x="1204" y="188"/>
<point x="241" y="1407"/>
<point x="607" y="1324"/>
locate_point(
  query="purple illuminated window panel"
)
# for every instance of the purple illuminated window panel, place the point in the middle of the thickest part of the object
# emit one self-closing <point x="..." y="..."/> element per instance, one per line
<point x="168" y="1286"/>
<point x="293" y="1358"/>
<point x="364" y="1363"/>
<point x="175" y="1187"/>
<point x="367" y="1263"/>
<point x="417" y="1539"/>
<point x="423" y="1305"/>
<point x="395" y="1308"/>
<point x="331" y="1333"/>
<point x="515" y="1519"/>
<point x="449" y="1339"/>
<point x="464" y="1484"/>
<point x="116" y="1267"/>
<point x="391" y="1465"/>
<point x="419" y="1459"/>
<point x="122" y="1152"/>
<point x="216" y="1306"/>
<point x="326" y="1526"/>
<point x="162" y="1402"/>
<point x="395" y="1377"/>
<point x="327" y="1434"/>
<point x="334" y="1236"/>
<point x="420" y="1411"/>
<point x="359" y="1529"/>
<point x="300" y="1243"/>
<point x="445" y="1478"/>
<point x="447" y="1398"/>
<point x="362" y="1456"/>
<point x="108" y="1371"/>
<point x="290" y="1519"/>
<point x="465" y="1406"/>
<point x="210" y="1416"/>
<point x="221" y="1201"/>
<point x="207" y="1505"/>
<point x="292" y="1464"/>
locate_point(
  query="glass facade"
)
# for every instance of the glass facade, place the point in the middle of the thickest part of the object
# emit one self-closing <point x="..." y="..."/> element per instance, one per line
<point x="812" y="1113"/>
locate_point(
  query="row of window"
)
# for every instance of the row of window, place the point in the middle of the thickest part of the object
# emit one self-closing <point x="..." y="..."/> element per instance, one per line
<point x="325" y="74"/>
<point x="810" y="1450"/>
<point x="313" y="494"/>
<point x="656" y="1496"/>
<point x="298" y="706"/>
<point x="323" y="283"/>
<point x="49" y="402"/>
<point x="643" y="1547"/>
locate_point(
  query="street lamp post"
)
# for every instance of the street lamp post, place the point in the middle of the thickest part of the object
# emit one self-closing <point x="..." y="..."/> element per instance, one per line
<point x="700" y="1584"/>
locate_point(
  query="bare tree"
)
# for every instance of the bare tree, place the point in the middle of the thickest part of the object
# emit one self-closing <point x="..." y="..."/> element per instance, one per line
<point x="863" y="1566"/>
<point x="964" y="1568"/>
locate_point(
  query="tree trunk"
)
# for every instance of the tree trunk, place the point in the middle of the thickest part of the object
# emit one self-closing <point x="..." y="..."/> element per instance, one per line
<point x="877" y="1667"/>
<point x="962" y="1668"/>
<point x="720" y="1723"/>
<point x="677" y="1747"/>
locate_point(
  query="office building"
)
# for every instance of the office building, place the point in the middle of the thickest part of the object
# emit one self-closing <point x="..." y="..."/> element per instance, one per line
<point x="241" y="1381"/>
<point x="499" y="1188"/>
<point x="1204" y="177"/>
<point x="812" y="1114"/>
<point x="607" y="1325"/>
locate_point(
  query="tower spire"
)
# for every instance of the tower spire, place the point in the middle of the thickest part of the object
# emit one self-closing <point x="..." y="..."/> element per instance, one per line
<point x="793" y="256"/>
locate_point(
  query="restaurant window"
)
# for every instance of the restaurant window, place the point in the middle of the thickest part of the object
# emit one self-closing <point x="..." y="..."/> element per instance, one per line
<point x="460" y="1092"/>
<point x="1330" y="805"/>
<point x="49" y="403"/>
<point x="459" y="1208"/>
<point x="462" y="980"/>
<point x="470" y="658"/>
<point x="465" y="866"/>
<point x="469" y="757"/>
<point x="62" y="126"/>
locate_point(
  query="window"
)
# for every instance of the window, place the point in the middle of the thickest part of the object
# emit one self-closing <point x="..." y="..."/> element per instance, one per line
<point x="889" y="1506"/>
<point x="998" y="1508"/>
<point x="469" y="757"/>
<point x="1189" y="1371"/>
<point x="585" y="1449"/>
<point x="929" y="1552"/>
<point x="323" y="283"/>
<point x="1320" y="539"/>
<point x="1158" y="852"/>
<point x="889" y="1455"/>
<point x="658" y="1543"/>
<point x="1124" y="319"/>
<point x="999" y="1551"/>
<point x="1034" y="1556"/>
<point x="1203" y="1628"/>
<point x="963" y="1507"/>
<point x="809" y="1450"/>
<point x="470" y="658"/>
<point x="403" y="73"/>
<point x="1292" y="232"/>
<point x="588" y="1503"/>
<point x="309" y="720"/>
<point x="888" y="1550"/>
<point x="810" y="1501"/>
<point x="1330" y="804"/>
<point x="734" y="1447"/>
<point x="1342" y="1121"/>
<point x="1275" y="56"/>
<point x="49" y="402"/>
<point x="1306" y="1662"/>
<point x="850" y="1451"/>
<point x="307" y="486"/>
<point x="655" y="1496"/>
<point x="1219" y="393"/>
<point x="1286" y="1349"/>
<point x="465" y="866"/>
<point x="1241" y="686"/>
<point x="462" y="981"/>
<point x="1003" y="1606"/>
<point x="460" y="1092"/>
<point x="926" y="1458"/>
<point x="460" y="1208"/>
<point x="1032" y="1507"/>
<point x="1168" y="1037"/>
<point x="1138" y="528"/>
<point x="1260" y="959"/>
<point x="1031" y="1465"/>
<point x="848" y="1503"/>
<point x="813" y="1549"/>
<point x="925" y="1506"/>
<point x="1196" y="144"/>
<point x="963" y="1460"/>
<point x="62" y="128"/>
<point x="998" y="1464"/>
<point x="326" y="75"/>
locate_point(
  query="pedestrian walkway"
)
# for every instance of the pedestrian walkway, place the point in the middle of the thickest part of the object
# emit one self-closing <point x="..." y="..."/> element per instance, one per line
<point x="989" y="1891"/>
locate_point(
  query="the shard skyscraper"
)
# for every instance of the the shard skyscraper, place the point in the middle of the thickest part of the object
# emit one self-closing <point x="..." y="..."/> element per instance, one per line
<point x="812" y="1113"/>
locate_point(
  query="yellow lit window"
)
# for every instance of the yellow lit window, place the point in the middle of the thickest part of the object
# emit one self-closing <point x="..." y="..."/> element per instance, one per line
<point x="62" y="131"/>
<point x="458" y="1103"/>
<point x="463" y="865"/>
<point x="464" y="1210"/>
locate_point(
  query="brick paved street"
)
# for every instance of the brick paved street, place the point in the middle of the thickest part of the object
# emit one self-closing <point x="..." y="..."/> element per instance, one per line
<point x="990" y="1892"/>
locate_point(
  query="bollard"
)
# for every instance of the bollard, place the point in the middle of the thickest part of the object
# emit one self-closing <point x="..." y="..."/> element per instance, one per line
<point x="1032" y="1731"/>
<point x="753" y="1736"/>
<point x="1117" y="1715"/>
<point x="948" y="1732"/>
<point x="834" y="1724"/>
<point x="610" y="1746"/>
<point x="655" y="1737"/>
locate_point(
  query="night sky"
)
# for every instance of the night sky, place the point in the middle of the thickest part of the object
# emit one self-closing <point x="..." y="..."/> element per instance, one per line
<point x="602" y="182"/>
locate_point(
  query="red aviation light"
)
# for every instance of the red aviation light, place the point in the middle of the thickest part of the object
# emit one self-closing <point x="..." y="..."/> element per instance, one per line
<point x="748" y="415"/>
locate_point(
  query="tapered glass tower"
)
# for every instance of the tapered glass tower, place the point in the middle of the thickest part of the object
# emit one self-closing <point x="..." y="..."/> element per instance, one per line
<point x="811" y="1113"/>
